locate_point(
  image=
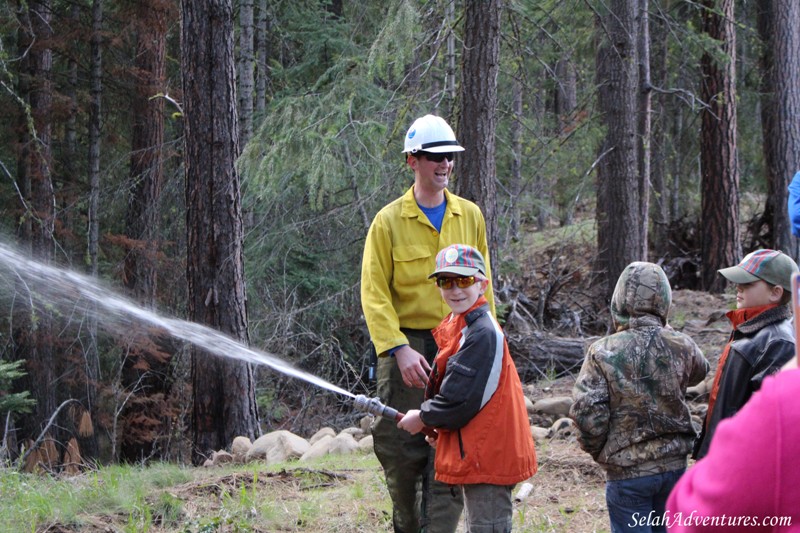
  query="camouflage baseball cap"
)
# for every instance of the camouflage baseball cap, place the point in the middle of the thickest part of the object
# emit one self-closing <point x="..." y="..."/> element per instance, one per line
<point x="772" y="266"/>
<point x="459" y="259"/>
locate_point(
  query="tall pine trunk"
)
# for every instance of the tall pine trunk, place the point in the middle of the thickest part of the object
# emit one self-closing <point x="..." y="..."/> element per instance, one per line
<point x="720" y="246"/>
<point x="224" y="389"/>
<point x="621" y="230"/>
<point x="476" y="170"/>
<point x="262" y="58"/>
<point x="147" y="373"/>
<point x="246" y="65"/>
<point x="34" y="341"/>
<point x="779" y="28"/>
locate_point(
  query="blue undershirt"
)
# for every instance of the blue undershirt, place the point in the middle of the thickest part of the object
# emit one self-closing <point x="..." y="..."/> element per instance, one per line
<point x="435" y="214"/>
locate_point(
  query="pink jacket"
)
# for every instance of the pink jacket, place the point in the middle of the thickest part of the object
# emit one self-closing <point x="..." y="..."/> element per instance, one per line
<point x="752" y="471"/>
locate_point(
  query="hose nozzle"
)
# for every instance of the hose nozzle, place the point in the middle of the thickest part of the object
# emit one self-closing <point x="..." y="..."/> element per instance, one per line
<point x="374" y="407"/>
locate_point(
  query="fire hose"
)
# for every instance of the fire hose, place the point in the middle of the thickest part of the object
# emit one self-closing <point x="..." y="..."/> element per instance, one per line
<point x="374" y="407"/>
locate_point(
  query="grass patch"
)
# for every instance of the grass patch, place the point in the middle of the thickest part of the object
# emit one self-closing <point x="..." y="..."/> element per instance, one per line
<point x="333" y="494"/>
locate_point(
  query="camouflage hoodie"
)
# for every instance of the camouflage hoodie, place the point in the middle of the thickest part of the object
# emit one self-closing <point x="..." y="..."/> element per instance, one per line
<point x="629" y="397"/>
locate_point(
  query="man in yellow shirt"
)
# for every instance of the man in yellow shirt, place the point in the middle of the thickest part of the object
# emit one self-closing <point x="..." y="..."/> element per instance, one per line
<point x="401" y="307"/>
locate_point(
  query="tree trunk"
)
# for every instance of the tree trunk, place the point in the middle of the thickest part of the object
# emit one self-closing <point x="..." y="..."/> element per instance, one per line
<point x="95" y="118"/>
<point x="69" y="196"/>
<point x="262" y="62"/>
<point x="515" y="182"/>
<point x="720" y="245"/>
<point x="565" y="99"/>
<point x="146" y="371"/>
<point x="35" y="338"/>
<point x="621" y="230"/>
<point x="659" y="211"/>
<point x="476" y="170"/>
<point x="147" y="139"/>
<point x="246" y="65"/>
<point x="450" y="58"/>
<point x="224" y="390"/>
<point x="779" y="28"/>
<point x="644" y="126"/>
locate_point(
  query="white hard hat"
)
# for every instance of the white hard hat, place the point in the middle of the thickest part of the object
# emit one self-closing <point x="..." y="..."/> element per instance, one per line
<point x="431" y="134"/>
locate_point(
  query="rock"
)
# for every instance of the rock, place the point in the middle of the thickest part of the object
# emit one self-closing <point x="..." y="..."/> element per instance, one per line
<point x="343" y="443"/>
<point x="539" y="434"/>
<point x="698" y="391"/>
<point x="562" y="428"/>
<point x="239" y="448"/>
<point x="221" y="457"/>
<point x="528" y="405"/>
<point x="356" y="433"/>
<point x="277" y="447"/>
<point x="208" y="463"/>
<point x="366" y="445"/>
<point x="557" y="406"/>
<point x="366" y="424"/>
<point x="321" y="433"/>
<point x="318" y="449"/>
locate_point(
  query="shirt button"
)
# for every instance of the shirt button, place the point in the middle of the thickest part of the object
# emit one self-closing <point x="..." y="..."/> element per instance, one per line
<point x="435" y="233"/>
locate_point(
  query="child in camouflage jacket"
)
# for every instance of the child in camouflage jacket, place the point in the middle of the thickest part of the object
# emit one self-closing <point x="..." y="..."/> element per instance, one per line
<point x="630" y="405"/>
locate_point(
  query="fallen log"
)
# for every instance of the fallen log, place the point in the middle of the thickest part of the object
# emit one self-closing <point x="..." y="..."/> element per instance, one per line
<point x="538" y="355"/>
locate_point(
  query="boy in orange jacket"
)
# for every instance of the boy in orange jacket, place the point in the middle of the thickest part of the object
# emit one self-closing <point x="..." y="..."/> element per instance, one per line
<point x="474" y="398"/>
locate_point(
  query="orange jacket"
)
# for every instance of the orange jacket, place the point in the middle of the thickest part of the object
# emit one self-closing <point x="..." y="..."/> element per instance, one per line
<point x="475" y="402"/>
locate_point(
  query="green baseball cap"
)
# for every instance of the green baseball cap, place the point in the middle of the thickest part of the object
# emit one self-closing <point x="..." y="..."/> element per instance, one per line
<point x="772" y="266"/>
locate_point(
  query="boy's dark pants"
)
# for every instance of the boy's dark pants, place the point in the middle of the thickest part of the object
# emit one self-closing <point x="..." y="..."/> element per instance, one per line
<point x="420" y="503"/>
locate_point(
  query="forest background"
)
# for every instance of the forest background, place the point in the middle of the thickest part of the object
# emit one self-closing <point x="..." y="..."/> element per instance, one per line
<point x="231" y="180"/>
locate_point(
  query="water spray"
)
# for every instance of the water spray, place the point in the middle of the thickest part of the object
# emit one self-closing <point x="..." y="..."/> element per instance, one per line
<point x="374" y="407"/>
<point x="63" y="289"/>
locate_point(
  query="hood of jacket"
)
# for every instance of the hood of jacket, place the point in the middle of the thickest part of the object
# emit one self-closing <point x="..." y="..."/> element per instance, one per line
<point x="642" y="296"/>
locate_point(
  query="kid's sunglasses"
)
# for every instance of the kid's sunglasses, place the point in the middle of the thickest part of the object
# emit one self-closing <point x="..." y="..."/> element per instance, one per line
<point x="461" y="282"/>
<point x="437" y="158"/>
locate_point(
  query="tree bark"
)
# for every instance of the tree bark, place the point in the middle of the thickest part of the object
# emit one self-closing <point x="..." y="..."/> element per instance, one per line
<point x="34" y="336"/>
<point x="621" y="230"/>
<point x="476" y="170"/>
<point x="147" y="139"/>
<point x="660" y="192"/>
<point x="565" y="99"/>
<point x="146" y="372"/>
<point x="779" y="28"/>
<point x="262" y="61"/>
<point x="515" y="181"/>
<point x="224" y="390"/>
<point x="720" y="246"/>
<point x="450" y="58"/>
<point x="645" y="108"/>
<point x="246" y="65"/>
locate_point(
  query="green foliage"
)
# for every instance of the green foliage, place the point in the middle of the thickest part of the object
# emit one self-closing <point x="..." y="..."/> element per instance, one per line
<point x="16" y="403"/>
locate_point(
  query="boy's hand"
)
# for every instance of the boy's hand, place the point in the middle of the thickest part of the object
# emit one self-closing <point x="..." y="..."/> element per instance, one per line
<point x="413" y="367"/>
<point x="411" y="422"/>
<point x="432" y="441"/>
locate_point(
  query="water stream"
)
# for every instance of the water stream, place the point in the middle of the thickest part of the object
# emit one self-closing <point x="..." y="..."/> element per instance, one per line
<point x="63" y="290"/>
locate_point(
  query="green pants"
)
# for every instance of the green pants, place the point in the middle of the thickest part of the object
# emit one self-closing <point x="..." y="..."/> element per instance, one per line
<point x="419" y="502"/>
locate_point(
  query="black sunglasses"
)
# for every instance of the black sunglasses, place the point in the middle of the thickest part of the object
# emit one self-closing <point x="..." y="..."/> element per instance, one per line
<point x="437" y="158"/>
